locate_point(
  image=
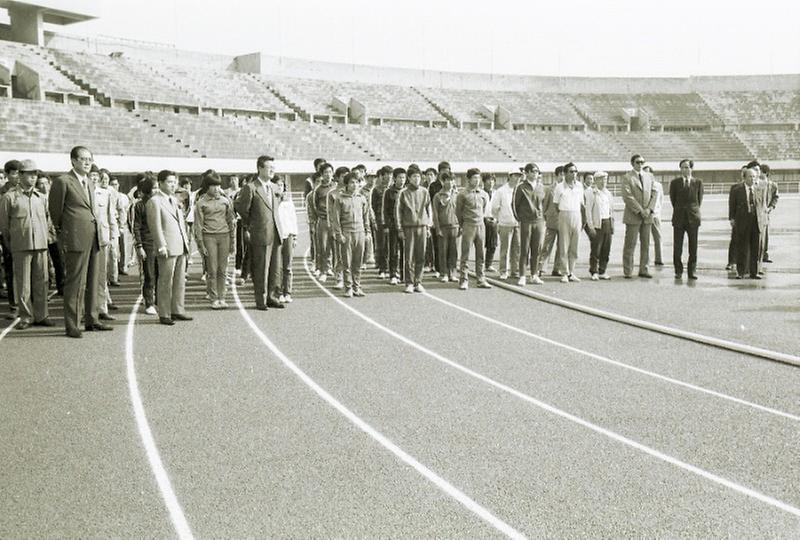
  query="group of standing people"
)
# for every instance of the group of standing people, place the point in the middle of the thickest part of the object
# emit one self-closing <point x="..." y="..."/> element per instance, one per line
<point x="405" y="219"/>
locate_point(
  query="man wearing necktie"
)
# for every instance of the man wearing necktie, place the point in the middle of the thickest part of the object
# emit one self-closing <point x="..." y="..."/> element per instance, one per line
<point x="686" y="196"/>
<point x="257" y="206"/>
<point x="746" y="224"/>
<point x="639" y="195"/>
<point x="71" y="203"/>
<point x="171" y="241"/>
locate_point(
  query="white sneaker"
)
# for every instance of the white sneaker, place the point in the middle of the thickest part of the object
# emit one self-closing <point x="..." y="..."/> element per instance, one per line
<point x="151" y="310"/>
<point x="491" y="269"/>
<point x="436" y="274"/>
<point x="573" y="278"/>
<point x="203" y="278"/>
<point x="521" y="281"/>
<point x="605" y="276"/>
<point x="339" y="284"/>
<point x="359" y="293"/>
<point x="282" y="299"/>
<point x="536" y="280"/>
<point x="484" y="284"/>
<point x="363" y="267"/>
<point x="394" y="281"/>
<point x="444" y="279"/>
<point x="207" y="297"/>
<point x="464" y="285"/>
<point x="323" y="278"/>
<point x="215" y="305"/>
<point x="223" y="304"/>
<point x="238" y="272"/>
<point x="419" y="288"/>
<point x="503" y="275"/>
<point x="316" y="272"/>
<point x="564" y="279"/>
<point x="595" y="277"/>
<point x="287" y="298"/>
<point x="409" y="289"/>
<point x="348" y="293"/>
<point x="381" y="275"/>
<point x="239" y="281"/>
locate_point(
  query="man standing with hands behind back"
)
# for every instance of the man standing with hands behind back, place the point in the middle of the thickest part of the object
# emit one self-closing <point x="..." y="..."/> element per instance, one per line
<point x="71" y="203"/>
<point x="257" y="205"/>
<point x="686" y="196"/>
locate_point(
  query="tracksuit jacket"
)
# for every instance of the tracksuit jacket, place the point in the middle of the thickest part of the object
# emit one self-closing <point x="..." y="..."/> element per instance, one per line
<point x="413" y="207"/>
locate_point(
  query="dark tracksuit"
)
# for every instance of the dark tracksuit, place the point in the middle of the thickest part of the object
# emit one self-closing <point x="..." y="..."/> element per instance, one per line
<point x="395" y="244"/>
<point x="413" y="217"/>
<point x="445" y="224"/>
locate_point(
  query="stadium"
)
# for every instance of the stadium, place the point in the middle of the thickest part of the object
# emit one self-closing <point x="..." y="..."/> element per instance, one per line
<point x="653" y="407"/>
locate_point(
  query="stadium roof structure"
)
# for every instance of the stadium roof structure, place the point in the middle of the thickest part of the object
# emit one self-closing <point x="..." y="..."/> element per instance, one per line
<point x="28" y="18"/>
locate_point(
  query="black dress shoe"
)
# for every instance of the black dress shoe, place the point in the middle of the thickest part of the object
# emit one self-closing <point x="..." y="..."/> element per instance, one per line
<point x="274" y="304"/>
<point x="261" y="308"/>
<point x="646" y="275"/>
<point x="114" y="284"/>
<point x="755" y="276"/>
<point x="659" y="263"/>
<point x="44" y="322"/>
<point x="74" y="333"/>
<point x="693" y="277"/>
<point x="680" y="276"/>
<point x="739" y="276"/>
<point x="767" y="260"/>
<point x="22" y="325"/>
<point x="113" y="307"/>
<point x="99" y="327"/>
<point x="556" y="274"/>
<point x="106" y="317"/>
<point x="728" y="267"/>
<point x="166" y="320"/>
<point x="123" y="273"/>
<point x="181" y="317"/>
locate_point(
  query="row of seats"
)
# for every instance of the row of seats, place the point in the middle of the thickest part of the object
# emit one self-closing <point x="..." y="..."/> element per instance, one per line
<point x="40" y="126"/>
<point x="50" y="79"/>
<point x="754" y="108"/>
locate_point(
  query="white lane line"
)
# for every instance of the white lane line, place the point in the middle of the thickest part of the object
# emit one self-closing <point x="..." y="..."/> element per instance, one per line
<point x="381" y="439"/>
<point x="179" y="522"/>
<point x="720" y="395"/>
<point x="571" y="417"/>
<point x="8" y="328"/>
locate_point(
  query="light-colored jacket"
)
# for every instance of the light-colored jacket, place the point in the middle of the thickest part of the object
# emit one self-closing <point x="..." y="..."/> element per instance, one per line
<point x="167" y="225"/>
<point x="106" y="214"/>
<point x="593" y="218"/>
<point x="24" y="220"/>
<point x="287" y="216"/>
<point x="501" y="202"/>
<point x="640" y="198"/>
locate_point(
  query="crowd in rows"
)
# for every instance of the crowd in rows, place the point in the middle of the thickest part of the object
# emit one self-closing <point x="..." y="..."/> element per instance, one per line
<point x="80" y="232"/>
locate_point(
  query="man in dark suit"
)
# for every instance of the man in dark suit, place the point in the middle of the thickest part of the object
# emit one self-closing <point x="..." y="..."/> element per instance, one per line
<point x="71" y="203"/>
<point x="257" y="205"/>
<point x="686" y="196"/>
<point x="744" y="217"/>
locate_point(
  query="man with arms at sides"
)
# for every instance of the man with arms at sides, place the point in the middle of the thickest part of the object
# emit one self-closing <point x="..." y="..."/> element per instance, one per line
<point x="258" y="206"/>
<point x="431" y="177"/>
<point x="106" y="215"/>
<point x="771" y="202"/>
<point x="686" y="196"/>
<point x="11" y="170"/>
<point x="383" y="177"/>
<point x="72" y="212"/>
<point x="639" y="195"/>
<point x="732" y="243"/>
<point x="171" y="241"/>
<point x="472" y="205"/>
<point x="123" y="252"/>
<point x="744" y="218"/>
<point x="569" y="198"/>
<point x="528" y="206"/>
<point x="551" y="222"/>
<point x="599" y="224"/>
<point x="24" y="223"/>
<point x="655" y="231"/>
<point x="502" y="202"/>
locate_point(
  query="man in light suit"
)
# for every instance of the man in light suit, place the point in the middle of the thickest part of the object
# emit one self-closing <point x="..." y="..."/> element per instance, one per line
<point x="639" y="194"/>
<point x="24" y="223"/>
<point x="106" y="213"/>
<point x="257" y="205"/>
<point x="686" y="196"/>
<point x="71" y="203"/>
<point x="171" y="242"/>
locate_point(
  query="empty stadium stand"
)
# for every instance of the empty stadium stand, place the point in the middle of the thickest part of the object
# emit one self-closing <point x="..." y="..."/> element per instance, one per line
<point x="127" y="106"/>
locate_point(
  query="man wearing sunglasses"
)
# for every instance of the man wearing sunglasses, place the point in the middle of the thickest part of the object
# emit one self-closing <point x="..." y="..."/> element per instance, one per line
<point x="639" y="194"/>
